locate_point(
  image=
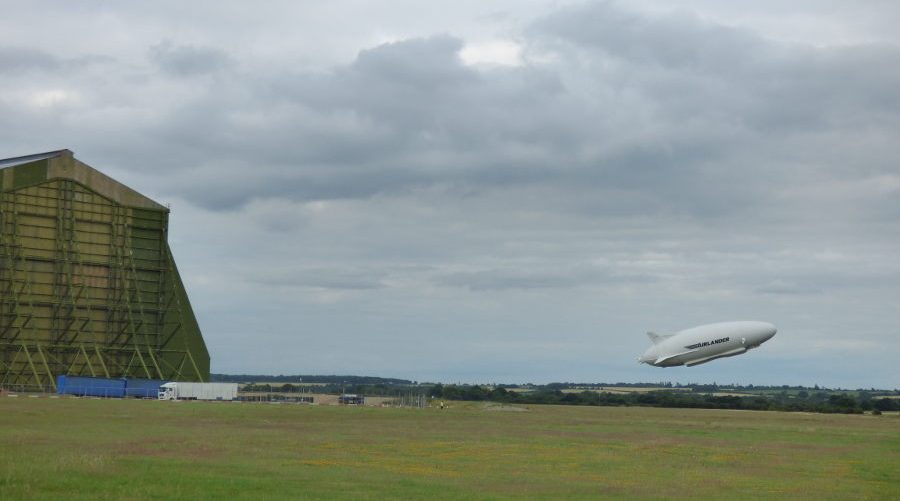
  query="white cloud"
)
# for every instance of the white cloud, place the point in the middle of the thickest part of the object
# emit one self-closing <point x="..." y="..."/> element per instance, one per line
<point x="52" y="98"/>
<point x="500" y="52"/>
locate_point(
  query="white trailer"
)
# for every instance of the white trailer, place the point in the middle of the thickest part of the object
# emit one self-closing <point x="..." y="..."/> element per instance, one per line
<point x="198" y="391"/>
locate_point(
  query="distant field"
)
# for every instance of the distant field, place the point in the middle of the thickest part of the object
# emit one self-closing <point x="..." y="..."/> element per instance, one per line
<point x="128" y="449"/>
<point x="319" y="398"/>
<point x="608" y="389"/>
<point x="623" y="389"/>
<point x="279" y="384"/>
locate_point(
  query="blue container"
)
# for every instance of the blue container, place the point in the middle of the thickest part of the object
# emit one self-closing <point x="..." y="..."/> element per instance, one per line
<point x="90" y="386"/>
<point x="143" y="388"/>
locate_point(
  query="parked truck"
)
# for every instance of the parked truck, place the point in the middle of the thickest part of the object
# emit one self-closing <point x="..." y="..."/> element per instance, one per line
<point x="198" y="391"/>
<point x="143" y="388"/>
<point x="83" y="386"/>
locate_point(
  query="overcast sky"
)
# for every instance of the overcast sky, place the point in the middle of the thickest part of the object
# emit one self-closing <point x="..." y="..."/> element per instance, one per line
<point x="507" y="191"/>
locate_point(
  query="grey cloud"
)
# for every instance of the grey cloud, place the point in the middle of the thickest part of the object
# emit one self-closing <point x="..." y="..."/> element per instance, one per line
<point x="525" y="277"/>
<point x="631" y="139"/>
<point x="387" y="122"/>
<point x="323" y="278"/>
<point x="679" y="40"/>
<point x="14" y="59"/>
<point x="508" y="279"/>
<point x="779" y="286"/>
<point x="420" y="63"/>
<point x="727" y="74"/>
<point x="188" y="60"/>
<point x="821" y="279"/>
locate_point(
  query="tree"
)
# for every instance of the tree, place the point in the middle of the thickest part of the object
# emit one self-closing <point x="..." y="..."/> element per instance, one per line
<point x="885" y="404"/>
<point x="841" y="402"/>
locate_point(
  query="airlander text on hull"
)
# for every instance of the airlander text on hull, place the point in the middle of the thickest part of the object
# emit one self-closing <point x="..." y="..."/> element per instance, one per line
<point x="704" y="343"/>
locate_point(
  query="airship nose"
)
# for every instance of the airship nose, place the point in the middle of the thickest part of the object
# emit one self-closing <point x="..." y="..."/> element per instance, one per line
<point x="765" y="333"/>
<point x="648" y="356"/>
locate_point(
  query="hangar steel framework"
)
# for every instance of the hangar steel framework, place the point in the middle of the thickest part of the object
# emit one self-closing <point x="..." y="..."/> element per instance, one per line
<point x="88" y="285"/>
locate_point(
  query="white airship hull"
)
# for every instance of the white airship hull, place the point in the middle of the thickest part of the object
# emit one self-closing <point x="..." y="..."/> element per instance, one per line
<point x="706" y="343"/>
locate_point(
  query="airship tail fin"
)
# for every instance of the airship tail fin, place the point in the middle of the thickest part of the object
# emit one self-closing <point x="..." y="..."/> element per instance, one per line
<point x="657" y="338"/>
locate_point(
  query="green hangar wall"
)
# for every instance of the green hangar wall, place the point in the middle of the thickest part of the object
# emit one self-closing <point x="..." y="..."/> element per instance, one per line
<point x="88" y="285"/>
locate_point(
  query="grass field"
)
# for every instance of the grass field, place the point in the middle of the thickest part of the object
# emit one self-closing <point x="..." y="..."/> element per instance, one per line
<point x="129" y="449"/>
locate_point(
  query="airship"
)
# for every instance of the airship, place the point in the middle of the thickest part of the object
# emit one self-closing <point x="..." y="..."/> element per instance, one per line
<point x="706" y="343"/>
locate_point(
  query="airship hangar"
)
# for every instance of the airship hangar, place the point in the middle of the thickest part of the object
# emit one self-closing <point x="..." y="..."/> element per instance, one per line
<point x="88" y="285"/>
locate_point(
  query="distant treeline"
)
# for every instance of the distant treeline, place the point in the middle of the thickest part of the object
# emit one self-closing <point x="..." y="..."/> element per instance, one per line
<point x="697" y="387"/>
<point x="821" y="401"/>
<point x="348" y="380"/>
<point x="371" y="390"/>
<point x="749" y="397"/>
<point x="336" y="380"/>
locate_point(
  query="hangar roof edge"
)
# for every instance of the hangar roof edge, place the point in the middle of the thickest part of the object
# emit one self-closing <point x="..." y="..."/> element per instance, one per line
<point x="12" y="162"/>
<point x="62" y="164"/>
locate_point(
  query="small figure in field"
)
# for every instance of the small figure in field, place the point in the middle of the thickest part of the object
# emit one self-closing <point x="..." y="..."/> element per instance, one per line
<point x="442" y="405"/>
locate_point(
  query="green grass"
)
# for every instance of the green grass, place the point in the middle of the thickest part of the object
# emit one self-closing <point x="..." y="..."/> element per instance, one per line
<point x="128" y="449"/>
